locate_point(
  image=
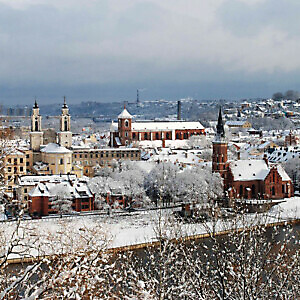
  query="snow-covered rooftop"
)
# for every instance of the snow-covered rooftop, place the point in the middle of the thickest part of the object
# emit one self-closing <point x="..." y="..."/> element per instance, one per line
<point x="246" y="170"/>
<point x="165" y="126"/>
<point x="35" y="179"/>
<point x="124" y="114"/>
<point x="235" y="123"/>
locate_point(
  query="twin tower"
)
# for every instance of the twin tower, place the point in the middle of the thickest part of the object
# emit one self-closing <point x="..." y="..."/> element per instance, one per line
<point x="64" y="136"/>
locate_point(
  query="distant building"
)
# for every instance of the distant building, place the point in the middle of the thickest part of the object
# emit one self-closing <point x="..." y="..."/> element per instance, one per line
<point x="39" y="192"/>
<point x="127" y="132"/>
<point x="238" y="124"/>
<point x="248" y="179"/>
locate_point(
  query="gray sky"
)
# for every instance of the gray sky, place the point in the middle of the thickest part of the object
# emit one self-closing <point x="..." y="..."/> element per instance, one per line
<point x="102" y="50"/>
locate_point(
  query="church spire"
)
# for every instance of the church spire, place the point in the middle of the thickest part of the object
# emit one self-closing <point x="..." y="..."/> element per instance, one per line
<point x="220" y="125"/>
<point x="35" y="104"/>
<point x="65" y="103"/>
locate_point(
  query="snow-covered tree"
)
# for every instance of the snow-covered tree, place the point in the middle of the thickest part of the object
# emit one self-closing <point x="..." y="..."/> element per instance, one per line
<point x="161" y="183"/>
<point x="198" y="141"/>
<point x="292" y="167"/>
<point x="62" y="199"/>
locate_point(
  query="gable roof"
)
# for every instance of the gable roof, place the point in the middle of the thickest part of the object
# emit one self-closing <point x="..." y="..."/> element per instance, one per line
<point x="284" y="176"/>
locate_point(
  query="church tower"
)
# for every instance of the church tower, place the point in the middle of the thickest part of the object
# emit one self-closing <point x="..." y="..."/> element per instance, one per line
<point x="36" y="134"/>
<point x="124" y="127"/>
<point x="219" y="158"/>
<point x="65" y="134"/>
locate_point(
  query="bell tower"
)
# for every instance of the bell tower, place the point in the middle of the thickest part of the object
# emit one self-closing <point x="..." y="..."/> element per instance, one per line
<point x="65" y="134"/>
<point x="219" y="158"/>
<point x="124" y="127"/>
<point x="36" y="134"/>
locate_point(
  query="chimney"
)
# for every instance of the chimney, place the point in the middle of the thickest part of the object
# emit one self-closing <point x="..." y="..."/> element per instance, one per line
<point x="137" y="97"/>
<point x="179" y="110"/>
<point x="266" y="159"/>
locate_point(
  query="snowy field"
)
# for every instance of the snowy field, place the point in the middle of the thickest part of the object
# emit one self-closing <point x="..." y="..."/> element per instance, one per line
<point x="50" y="236"/>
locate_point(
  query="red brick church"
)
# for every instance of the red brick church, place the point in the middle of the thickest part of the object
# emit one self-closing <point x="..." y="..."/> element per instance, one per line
<point x="248" y="179"/>
<point x="127" y="132"/>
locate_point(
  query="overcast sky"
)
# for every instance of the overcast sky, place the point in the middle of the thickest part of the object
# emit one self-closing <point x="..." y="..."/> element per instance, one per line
<point x="103" y="50"/>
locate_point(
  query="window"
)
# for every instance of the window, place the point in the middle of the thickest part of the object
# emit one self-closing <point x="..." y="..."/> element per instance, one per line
<point x="241" y="191"/>
<point x="9" y="169"/>
<point x="126" y="123"/>
<point x="21" y="169"/>
<point x="9" y="160"/>
<point x="146" y="136"/>
<point x="27" y="155"/>
<point x="168" y="136"/>
<point x="66" y="124"/>
<point x="253" y="190"/>
<point x="273" y="190"/>
<point x="283" y="189"/>
<point x="25" y="190"/>
<point x="21" y="160"/>
<point x="61" y="161"/>
<point x="133" y="135"/>
<point x="80" y="155"/>
<point x="177" y="136"/>
<point x="273" y="176"/>
<point x="126" y="134"/>
<point x="185" y="135"/>
<point x="85" y="156"/>
<point x="157" y="135"/>
<point x="75" y="155"/>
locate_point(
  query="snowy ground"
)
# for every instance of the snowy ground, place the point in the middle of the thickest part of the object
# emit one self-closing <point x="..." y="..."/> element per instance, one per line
<point x="48" y="236"/>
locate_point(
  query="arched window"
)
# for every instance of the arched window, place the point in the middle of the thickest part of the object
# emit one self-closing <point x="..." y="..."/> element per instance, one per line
<point x="61" y="161"/>
<point x="241" y="191"/>
<point x="126" y="123"/>
<point x="133" y="135"/>
<point x="146" y="136"/>
<point x="66" y="124"/>
<point x="253" y="190"/>
<point x="36" y="125"/>
<point x="273" y="190"/>
<point x="185" y="135"/>
<point x="168" y="136"/>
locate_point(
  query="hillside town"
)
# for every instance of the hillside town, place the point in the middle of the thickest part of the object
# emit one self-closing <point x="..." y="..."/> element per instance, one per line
<point x="134" y="178"/>
<point x="150" y="150"/>
<point x="254" y="164"/>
